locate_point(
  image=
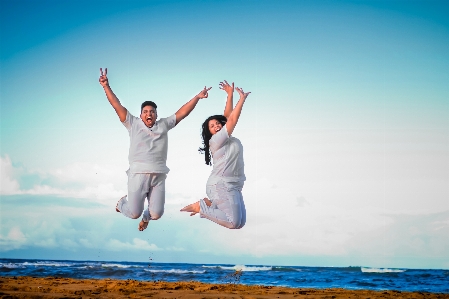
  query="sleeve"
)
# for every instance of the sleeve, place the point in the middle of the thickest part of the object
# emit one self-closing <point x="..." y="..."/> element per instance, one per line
<point x="128" y="123"/>
<point x="219" y="139"/>
<point x="170" y="122"/>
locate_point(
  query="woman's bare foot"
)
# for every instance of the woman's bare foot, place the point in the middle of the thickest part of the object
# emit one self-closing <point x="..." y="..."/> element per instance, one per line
<point x="193" y="208"/>
<point x="143" y="225"/>
<point x="207" y="201"/>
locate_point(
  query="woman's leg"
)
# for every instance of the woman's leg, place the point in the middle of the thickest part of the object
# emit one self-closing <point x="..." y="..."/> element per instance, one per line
<point x="226" y="208"/>
<point x="242" y="211"/>
<point x="239" y="187"/>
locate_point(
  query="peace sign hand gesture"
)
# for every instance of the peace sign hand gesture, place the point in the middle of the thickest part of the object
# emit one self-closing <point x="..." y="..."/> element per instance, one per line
<point x="204" y="93"/>
<point x="104" y="77"/>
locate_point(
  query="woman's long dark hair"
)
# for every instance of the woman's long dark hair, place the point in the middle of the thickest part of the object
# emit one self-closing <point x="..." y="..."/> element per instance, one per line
<point x="206" y="134"/>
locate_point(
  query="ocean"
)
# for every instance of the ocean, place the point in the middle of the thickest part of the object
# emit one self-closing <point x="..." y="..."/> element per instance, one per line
<point x="353" y="278"/>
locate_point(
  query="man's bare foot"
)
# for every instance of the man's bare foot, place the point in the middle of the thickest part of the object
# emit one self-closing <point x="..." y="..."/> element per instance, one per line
<point x="193" y="208"/>
<point x="143" y="225"/>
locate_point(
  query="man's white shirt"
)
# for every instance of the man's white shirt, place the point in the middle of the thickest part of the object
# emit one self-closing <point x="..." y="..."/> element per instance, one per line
<point x="148" y="146"/>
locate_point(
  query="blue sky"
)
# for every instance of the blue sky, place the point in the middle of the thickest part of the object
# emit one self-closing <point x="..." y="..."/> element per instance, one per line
<point x="346" y="130"/>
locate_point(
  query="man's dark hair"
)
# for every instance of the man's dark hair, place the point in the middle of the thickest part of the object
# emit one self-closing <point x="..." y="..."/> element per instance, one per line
<point x="148" y="103"/>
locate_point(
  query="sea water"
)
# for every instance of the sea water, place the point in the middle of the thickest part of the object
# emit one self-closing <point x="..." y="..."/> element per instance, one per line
<point x="353" y="278"/>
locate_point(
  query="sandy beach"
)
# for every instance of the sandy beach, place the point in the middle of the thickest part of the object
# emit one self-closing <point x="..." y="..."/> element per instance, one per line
<point x="52" y="287"/>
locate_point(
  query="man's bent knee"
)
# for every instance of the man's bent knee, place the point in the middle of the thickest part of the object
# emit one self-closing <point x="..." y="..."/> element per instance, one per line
<point x="135" y="214"/>
<point x="156" y="215"/>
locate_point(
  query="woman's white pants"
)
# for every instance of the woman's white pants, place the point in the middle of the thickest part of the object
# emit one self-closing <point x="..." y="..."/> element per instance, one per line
<point x="227" y="208"/>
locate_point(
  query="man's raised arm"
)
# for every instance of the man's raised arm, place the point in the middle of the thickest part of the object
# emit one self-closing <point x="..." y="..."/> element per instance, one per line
<point x="112" y="98"/>
<point x="190" y="105"/>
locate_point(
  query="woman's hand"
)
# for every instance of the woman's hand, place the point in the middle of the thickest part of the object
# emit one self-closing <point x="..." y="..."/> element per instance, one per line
<point x="226" y="87"/>
<point x="243" y="95"/>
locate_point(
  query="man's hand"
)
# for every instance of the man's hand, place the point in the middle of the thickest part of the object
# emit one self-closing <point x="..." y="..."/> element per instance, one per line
<point x="190" y="105"/>
<point x="203" y="94"/>
<point x="113" y="100"/>
<point x="242" y="94"/>
<point x="104" y="77"/>
<point x="226" y="87"/>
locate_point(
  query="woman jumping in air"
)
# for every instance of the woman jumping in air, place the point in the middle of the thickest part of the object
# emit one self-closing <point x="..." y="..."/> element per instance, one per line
<point x="225" y="204"/>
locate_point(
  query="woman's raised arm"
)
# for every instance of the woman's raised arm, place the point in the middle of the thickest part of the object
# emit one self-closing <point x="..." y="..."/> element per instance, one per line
<point x="235" y="114"/>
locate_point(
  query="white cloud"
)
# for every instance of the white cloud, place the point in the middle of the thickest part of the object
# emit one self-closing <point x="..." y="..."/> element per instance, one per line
<point x="283" y="222"/>
<point x="137" y="244"/>
<point x="77" y="180"/>
<point x="46" y="243"/>
<point x="14" y="240"/>
<point x="173" y="248"/>
<point x="68" y="244"/>
<point x="8" y="185"/>
<point x="86" y="243"/>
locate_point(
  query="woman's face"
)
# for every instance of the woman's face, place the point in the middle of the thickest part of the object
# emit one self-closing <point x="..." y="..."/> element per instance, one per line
<point x="214" y="126"/>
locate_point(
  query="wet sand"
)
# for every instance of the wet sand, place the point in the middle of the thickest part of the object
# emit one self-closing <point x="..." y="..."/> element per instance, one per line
<point x="54" y="287"/>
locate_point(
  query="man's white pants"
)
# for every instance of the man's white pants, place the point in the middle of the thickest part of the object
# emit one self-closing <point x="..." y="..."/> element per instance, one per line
<point x="141" y="186"/>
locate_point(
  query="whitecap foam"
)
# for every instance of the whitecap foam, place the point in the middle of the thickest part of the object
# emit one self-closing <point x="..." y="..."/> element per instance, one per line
<point x="117" y="266"/>
<point x="47" y="264"/>
<point x="175" y="271"/>
<point x="380" y="270"/>
<point x="11" y="265"/>
<point x="247" y="268"/>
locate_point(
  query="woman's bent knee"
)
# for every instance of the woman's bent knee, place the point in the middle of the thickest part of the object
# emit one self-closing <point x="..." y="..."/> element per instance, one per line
<point x="232" y="225"/>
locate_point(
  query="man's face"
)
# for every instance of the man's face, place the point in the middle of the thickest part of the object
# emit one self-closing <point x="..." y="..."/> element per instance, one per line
<point x="149" y="116"/>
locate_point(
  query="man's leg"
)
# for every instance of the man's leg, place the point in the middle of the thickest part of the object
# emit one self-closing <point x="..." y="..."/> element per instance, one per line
<point x="156" y="199"/>
<point x="138" y="185"/>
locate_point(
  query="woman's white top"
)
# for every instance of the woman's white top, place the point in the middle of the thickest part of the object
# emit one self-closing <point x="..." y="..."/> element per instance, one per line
<point x="227" y="154"/>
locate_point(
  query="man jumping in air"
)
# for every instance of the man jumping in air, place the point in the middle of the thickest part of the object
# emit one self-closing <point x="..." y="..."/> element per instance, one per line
<point x="147" y="154"/>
